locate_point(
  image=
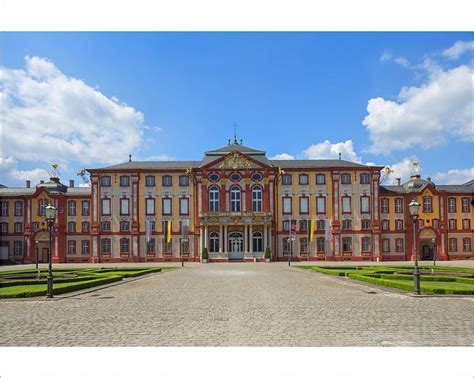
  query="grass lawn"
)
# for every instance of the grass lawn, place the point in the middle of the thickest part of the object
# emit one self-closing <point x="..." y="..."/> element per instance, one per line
<point x="24" y="283"/>
<point x="443" y="281"/>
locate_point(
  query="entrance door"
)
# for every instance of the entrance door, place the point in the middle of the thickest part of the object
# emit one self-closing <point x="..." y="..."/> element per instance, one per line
<point x="427" y="253"/>
<point x="236" y="250"/>
<point x="43" y="257"/>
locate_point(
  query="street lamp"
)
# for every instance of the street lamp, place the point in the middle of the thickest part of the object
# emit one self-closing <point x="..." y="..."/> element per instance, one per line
<point x="434" y="251"/>
<point x="50" y="216"/>
<point x="414" y="207"/>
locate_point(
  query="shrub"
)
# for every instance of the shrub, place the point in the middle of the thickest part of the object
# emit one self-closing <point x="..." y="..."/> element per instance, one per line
<point x="268" y="253"/>
<point x="205" y="254"/>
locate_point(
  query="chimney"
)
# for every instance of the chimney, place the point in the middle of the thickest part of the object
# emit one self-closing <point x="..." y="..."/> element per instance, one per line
<point x="429" y="179"/>
<point x="71" y="183"/>
<point x="399" y="181"/>
<point x="28" y="183"/>
<point x="41" y="181"/>
<point x="241" y="141"/>
<point x="129" y="158"/>
<point x="340" y="156"/>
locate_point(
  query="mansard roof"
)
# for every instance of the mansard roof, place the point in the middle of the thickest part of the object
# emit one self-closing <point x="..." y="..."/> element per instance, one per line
<point x="234" y="147"/>
<point x="167" y="164"/>
<point x="317" y="163"/>
<point x="417" y="184"/>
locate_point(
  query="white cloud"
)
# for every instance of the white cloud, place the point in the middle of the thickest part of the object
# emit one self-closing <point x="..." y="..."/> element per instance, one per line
<point x="459" y="48"/>
<point x="283" y="156"/>
<point x="386" y="56"/>
<point x="402" y="170"/>
<point x="48" y="116"/>
<point x="402" y="61"/>
<point x="454" y="176"/>
<point x="159" y="157"/>
<point x="424" y="116"/>
<point x="34" y="175"/>
<point x="328" y="150"/>
<point x="85" y="185"/>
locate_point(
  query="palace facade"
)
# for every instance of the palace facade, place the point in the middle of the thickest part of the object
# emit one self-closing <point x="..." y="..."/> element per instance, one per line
<point x="236" y="202"/>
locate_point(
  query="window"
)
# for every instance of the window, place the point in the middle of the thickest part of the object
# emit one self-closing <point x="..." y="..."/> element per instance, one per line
<point x="465" y="205"/>
<point x="287" y="205"/>
<point x="452" y="224"/>
<point x="124" y="206"/>
<point x="85" y="247"/>
<point x="85" y="226"/>
<point x="166" y="206"/>
<point x="320" y="224"/>
<point x="304" y="224"/>
<point x="149" y="180"/>
<point x="427" y="204"/>
<point x="214" y="199"/>
<point x="346" y="244"/>
<point x="466" y="224"/>
<point x="399" y="205"/>
<point x="256" y="176"/>
<point x="385" y="225"/>
<point x="399" y="225"/>
<point x="235" y="177"/>
<point x="105" y="181"/>
<point x="42" y="207"/>
<point x="18" y="227"/>
<point x="451" y="205"/>
<point x="105" y="226"/>
<point x="18" y="208"/>
<point x="184" y="245"/>
<point x="286" y="179"/>
<point x="346" y="224"/>
<point x="213" y="242"/>
<point x="321" y="179"/>
<point x="35" y="226"/>
<point x="399" y="245"/>
<point x="385" y="245"/>
<point x="286" y="246"/>
<point x="167" y="180"/>
<point x="105" y="206"/>
<point x="150" y="206"/>
<point x="303" y="179"/>
<point x="184" y="206"/>
<point x="257" y="198"/>
<point x="286" y="225"/>
<point x="453" y="245"/>
<point x="4" y="227"/>
<point x="214" y="177"/>
<point x="365" y="204"/>
<point x="257" y="242"/>
<point x="421" y="223"/>
<point x="124" y="226"/>
<point x="17" y="247"/>
<point x="365" y="243"/>
<point x="345" y="178"/>
<point x="320" y="244"/>
<point x="124" y="180"/>
<point x="364" y="178"/>
<point x="235" y="195"/>
<point x="365" y="224"/>
<point x="346" y="204"/>
<point x="124" y="245"/>
<point x="150" y="246"/>
<point x="321" y="205"/>
<point x="71" y="246"/>
<point x="105" y="246"/>
<point x="184" y="180"/>
<point x="466" y="244"/>
<point x="435" y="224"/>
<point x="384" y="205"/>
<point x="4" y="209"/>
<point x="71" y="208"/>
<point x="304" y="205"/>
<point x="71" y="227"/>
<point x="85" y="208"/>
<point x="303" y="245"/>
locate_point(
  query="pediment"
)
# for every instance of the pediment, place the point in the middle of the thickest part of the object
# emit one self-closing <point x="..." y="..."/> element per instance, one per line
<point x="235" y="160"/>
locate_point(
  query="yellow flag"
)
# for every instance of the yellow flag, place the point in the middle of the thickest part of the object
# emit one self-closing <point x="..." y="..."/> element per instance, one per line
<point x="168" y="232"/>
<point x="310" y="230"/>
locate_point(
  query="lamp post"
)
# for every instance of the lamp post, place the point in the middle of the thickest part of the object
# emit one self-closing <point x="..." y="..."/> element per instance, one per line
<point x="414" y="207"/>
<point x="435" y="249"/>
<point x="50" y="216"/>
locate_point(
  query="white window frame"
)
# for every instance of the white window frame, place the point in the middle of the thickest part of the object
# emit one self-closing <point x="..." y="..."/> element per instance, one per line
<point x="167" y="206"/>
<point x="287" y="205"/>
<point x="150" y="206"/>
<point x="257" y="198"/>
<point x="214" y="200"/>
<point x="235" y="199"/>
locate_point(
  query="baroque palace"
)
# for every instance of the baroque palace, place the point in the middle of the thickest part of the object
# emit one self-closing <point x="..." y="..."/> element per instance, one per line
<point x="236" y="202"/>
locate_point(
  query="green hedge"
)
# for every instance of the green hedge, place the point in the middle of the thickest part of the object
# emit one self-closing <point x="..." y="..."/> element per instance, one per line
<point x="43" y="281"/>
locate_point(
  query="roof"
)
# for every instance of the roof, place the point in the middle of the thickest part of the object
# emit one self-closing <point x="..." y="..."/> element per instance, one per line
<point x="456" y="188"/>
<point x="392" y="189"/>
<point x="168" y="164"/>
<point x="234" y="147"/>
<point x="317" y="163"/>
<point x="79" y="191"/>
<point x="16" y="191"/>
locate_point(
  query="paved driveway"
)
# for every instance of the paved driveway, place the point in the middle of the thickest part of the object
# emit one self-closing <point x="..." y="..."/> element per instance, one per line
<point x="239" y="304"/>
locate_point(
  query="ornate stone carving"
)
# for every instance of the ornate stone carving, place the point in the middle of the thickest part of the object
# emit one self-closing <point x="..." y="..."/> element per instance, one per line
<point x="235" y="161"/>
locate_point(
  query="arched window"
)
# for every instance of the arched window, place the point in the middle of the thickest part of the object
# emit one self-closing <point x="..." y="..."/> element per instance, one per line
<point x="213" y="242"/>
<point x="257" y="241"/>
<point x="235" y="196"/>
<point x="257" y="198"/>
<point x="214" y="199"/>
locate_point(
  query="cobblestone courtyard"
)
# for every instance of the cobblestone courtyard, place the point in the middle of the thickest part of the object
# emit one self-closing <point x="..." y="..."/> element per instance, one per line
<point x="239" y="304"/>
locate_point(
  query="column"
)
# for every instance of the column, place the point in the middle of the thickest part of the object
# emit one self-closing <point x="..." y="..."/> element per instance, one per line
<point x="224" y="249"/>
<point x="244" y="247"/>
<point x="205" y="236"/>
<point x="221" y="238"/>
<point x="251" y="238"/>
<point x="200" y="241"/>
<point x="264" y="237"/>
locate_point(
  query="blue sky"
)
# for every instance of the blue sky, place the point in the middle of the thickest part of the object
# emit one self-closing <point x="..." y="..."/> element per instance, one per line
<point x="175" y="95"/>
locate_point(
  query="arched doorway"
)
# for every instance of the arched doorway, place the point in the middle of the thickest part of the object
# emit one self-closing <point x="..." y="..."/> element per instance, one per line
<point x="41" y="247"/>
<point x="236" y="245"/>
<point x="427" y="242"/>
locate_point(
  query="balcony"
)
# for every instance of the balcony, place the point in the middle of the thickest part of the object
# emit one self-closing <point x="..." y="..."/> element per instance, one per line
<point x="235" y="217"/>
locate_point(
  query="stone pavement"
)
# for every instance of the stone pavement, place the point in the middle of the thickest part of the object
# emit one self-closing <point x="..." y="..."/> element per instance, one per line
<point x="239" y="304"/>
